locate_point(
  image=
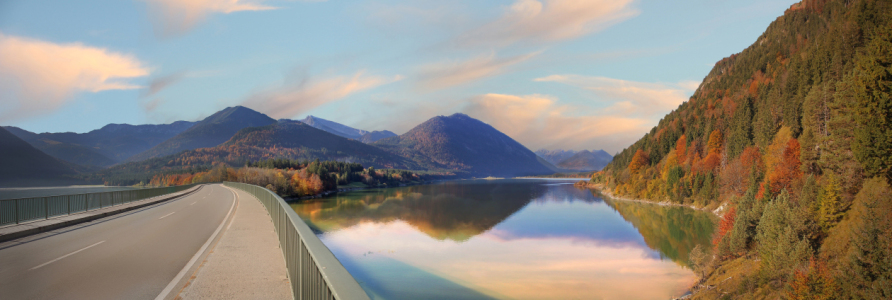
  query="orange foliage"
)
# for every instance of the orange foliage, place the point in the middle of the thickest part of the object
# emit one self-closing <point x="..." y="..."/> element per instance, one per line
<point x="815" y="282"/>
<point x="725" y="225"/>
<point x="681" y="149"/>
<point x="639" y="161"/>
<point x="787" y="171"/>
<point x="715" y="142"/>
<point x="735" y="176"/>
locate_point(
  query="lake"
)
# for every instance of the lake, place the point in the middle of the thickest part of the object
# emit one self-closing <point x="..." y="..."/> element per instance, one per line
<point x="13" y="193"/>
<point x="508" y="239"/>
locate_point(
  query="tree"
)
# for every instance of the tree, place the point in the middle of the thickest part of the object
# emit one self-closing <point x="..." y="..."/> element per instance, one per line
<point x="714" y="145"/>
<point x="830" y="211"/>
<point x="639" y="161"/>
<point x="788" y="170"/>
<point x="872" y="78"/>
<point x="869" y="261"/>
<point x="681" y="149"/>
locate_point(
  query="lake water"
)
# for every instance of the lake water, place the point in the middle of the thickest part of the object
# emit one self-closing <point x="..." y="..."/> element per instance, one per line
<point x="508" y="239"/>
<point x="12" y="193"/>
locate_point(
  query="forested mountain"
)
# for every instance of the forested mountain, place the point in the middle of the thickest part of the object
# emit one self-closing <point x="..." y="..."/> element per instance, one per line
<point x="793" y="138"/>
<point x="586" y="161"/>
<point x="376" y="135"/>
<point x="334" y="127"/>
<point x="210" y="132"/>
<point x="461" y="143"/>
<point x="102" y="147"/>
<point x="289" y="140"/>
<point x="555" y="156"/>
<point x="23" y="165"/>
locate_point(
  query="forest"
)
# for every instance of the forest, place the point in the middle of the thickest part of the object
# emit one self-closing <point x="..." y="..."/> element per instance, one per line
<point x="292" y="178"/>
<point x="790" y="141"/>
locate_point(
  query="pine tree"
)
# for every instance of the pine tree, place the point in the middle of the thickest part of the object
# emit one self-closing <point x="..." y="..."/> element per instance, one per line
<point x="873" y="92"/>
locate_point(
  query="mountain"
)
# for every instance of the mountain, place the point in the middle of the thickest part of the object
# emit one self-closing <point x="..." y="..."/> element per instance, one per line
<point x="285" y="139"/>
<point x="555" y="156"/>
<point x="335" y="128"/>
<point x="464" y="144"/>
<point x="102" y="147"/>
<point x="374" y="136"/>
<point x="791" y="141"/>
<point x="210" y="132"/>
<point x="23" y="165"/>
<point x="586" y="161"/>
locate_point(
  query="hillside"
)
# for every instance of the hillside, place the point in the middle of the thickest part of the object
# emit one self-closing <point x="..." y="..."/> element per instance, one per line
<point x="464" y="144"/>
<point x="792" y="140"/>
<point x="23" y="165"/>
<point x="374" y="136"/>
<point x="210" y="132"/>
<point x="73" y="153"/>
<point x="334" y="127"/>
<point x="586" y="161"/>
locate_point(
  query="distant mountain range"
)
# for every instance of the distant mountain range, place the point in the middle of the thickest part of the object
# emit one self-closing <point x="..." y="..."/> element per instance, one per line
<point x="571" y="160"/>
<point x="345" y="131"/>
<point x="102" y="147"/>
<point x="23" y="165"/>
<point x="210" y="132"/>
<point x="461" y="143"/>
<point x="456" y="144"/>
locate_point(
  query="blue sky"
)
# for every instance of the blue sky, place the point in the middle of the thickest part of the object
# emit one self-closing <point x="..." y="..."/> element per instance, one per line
<point x="570" y="74"/>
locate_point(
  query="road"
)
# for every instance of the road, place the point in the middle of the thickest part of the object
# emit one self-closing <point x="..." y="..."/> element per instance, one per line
<point x="134" y="255"/>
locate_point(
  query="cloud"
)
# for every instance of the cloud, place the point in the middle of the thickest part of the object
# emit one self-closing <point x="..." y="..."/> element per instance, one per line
<point x="38" y="76"/>
<point x="539" y="121"/>
<point x="446" y="74"/>
<point x="160" y="83"/>
<point x="630" y="98"/>
<point x="533" y="21"/>
<point x="293" y="98"/>
<point x="176" y="17"/>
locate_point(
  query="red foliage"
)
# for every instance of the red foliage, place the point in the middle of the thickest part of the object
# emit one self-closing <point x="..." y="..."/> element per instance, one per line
<point x="639" y="161"/>
<point x="788" y="170"/>
<point x="725" y="225"/>
<point x="681" y="149"/>
<point x="815" y="282"/>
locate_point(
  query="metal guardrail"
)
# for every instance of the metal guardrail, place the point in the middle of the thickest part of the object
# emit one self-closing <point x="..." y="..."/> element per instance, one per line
<point x="15" y="211"/>
<point x="314" y="271"/>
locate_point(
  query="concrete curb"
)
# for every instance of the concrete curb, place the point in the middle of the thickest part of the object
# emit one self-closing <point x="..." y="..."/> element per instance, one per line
<point x="48" y="227"/>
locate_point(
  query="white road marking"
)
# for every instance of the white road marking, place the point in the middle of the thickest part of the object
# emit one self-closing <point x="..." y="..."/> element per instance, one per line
<point x="193" y="203"/>
<point x="165" y="216"/>
<point x="195" y="257"/>
<point x="66" y="255"/>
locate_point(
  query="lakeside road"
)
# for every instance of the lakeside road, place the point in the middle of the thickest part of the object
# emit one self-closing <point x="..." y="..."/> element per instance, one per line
<point x="135" y="255"/>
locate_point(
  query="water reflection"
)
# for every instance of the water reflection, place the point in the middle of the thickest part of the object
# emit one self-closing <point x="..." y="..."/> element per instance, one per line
<point x="521" y="239"/>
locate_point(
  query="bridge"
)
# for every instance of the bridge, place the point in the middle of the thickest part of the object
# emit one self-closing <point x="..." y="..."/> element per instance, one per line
<point x="211" y="241"/>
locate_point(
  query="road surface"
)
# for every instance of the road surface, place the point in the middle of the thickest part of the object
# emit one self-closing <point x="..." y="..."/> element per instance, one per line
<point x="134" y="255"/>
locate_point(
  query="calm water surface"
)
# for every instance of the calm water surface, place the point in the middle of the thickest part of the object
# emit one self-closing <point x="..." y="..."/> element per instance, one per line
<point x="508" y="239"/>
<point x="12" y="193"/>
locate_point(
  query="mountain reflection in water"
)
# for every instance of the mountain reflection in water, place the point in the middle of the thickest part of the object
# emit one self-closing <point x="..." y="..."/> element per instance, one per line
<point x="524" y="239"/>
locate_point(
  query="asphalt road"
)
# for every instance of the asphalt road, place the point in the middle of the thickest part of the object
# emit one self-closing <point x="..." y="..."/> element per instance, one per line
<point x="134" y="255"/>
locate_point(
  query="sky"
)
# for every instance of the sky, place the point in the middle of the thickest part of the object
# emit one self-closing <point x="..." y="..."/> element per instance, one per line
<point x="552" y="74"/>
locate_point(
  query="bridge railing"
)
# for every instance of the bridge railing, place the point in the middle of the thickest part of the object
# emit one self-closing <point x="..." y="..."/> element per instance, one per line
<point x="15" y="211"/>
<point x="314" y="271"/>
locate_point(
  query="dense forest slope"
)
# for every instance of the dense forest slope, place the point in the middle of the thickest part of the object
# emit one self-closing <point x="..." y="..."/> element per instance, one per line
<point x="73" y="153"/>
<point x="374" y="136"/>
<point x="23" y="165"/>
<point x="794" y="137"/>
<point x="210" y="132"/>
<point x="464" y="144"/>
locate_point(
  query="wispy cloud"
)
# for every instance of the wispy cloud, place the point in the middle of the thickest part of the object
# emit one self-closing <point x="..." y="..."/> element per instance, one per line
<point x="540" y="121"/>
<point x="535" y="21"/>
<point x="160" y="83"/>
<point x="451" y="73"/>
<point x="176" y="17"/>
<point x="40" y="76"/>
<point x="297" y="96"/>
<point x="630" y="98"/>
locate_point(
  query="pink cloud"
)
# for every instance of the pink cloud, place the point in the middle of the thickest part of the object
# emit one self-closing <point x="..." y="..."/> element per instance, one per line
<point x="176" y="17"/>
<point x="452" y="73"/>
<point x="39" y="76"/>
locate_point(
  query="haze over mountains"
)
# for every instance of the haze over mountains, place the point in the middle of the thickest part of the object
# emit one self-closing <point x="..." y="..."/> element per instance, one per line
<point x="29" y="164"/>
<point x="572" y="160"/>
<point x="457" y="144"/>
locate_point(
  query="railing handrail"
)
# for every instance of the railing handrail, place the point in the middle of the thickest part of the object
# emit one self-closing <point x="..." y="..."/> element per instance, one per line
<point x="340" y="284"/>
<point x="27" y="209"/>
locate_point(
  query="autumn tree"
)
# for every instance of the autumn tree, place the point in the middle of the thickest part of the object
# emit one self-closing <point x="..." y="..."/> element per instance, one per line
<point x="788" y="169"/>
<point x="869" y="262"/>
<point x="872" y="78"/>
<point x="639" y="161"/>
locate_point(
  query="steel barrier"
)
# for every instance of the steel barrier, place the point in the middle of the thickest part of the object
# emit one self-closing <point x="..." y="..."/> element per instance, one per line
<point x="315" y="272"/>
<point x="15" y="211"/>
